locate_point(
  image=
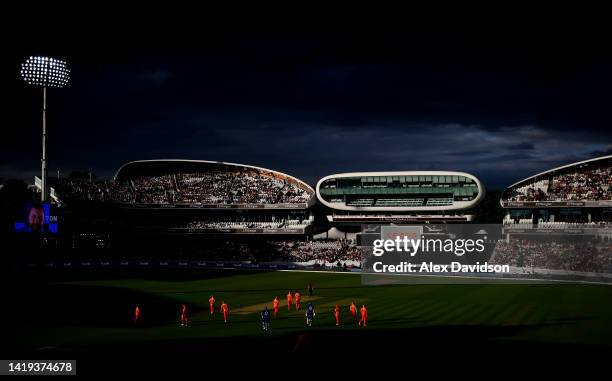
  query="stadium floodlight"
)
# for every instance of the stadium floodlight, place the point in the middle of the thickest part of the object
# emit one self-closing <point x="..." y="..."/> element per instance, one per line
<point x="45" y="72"/>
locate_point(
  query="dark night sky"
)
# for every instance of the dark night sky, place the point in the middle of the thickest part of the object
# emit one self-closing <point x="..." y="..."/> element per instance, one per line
<point x="499" y="104"/>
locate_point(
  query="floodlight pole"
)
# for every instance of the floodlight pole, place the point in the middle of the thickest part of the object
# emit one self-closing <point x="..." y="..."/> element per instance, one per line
<point x="44" y="197"/>
<point x="44" y="72"/>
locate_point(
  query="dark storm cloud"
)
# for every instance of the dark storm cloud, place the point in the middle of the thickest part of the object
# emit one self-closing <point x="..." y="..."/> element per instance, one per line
<point x="311" y="106"/>
<point x="522" y="146"/>
<point x="606" y="151"/>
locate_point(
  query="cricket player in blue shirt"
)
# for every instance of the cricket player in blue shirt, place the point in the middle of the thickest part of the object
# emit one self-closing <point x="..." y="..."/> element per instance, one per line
<point x="265" y="319"/>
<point x="310" y="314"/>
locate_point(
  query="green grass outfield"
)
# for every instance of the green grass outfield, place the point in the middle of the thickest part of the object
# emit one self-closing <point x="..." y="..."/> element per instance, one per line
<point x="89" y="313"/>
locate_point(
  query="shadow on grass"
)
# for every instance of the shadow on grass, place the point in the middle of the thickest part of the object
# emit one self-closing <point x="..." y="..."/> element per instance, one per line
<point x="154" y="274"/>
<point x="76" y="305"/>
<point x="447" y="338"/>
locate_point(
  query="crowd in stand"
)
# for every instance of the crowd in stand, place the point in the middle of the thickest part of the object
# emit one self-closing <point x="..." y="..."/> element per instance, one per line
<point x="279" y="224"/>
<point x="153" y="190"/>
<point x="246" y="187"/>
<point x="527" y="223"/>
<point x="341" y="253"/>
<point x="590" y="185"/>
<point x="104" y="191"/>
<point x="319" y="251"/>
<point x="594" y="185"/>
<point x="575" y="256"/>
<point x="236" y="188"/>
<point x="528" y="194"/>
<point x="229" y="250"/>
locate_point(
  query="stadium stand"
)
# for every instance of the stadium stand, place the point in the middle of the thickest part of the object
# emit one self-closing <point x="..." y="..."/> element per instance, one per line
<point x="586" y="256"/>
<point x="562" y="198"/>
<point x="327" y="252"/>
<point x="590" y="180"/>
<point x="412" y="196"/>
<point x="232" y="224"/>
<point x="102" y="191"/>
<point x="191" y="188"/>
<point x="398" y="190"/>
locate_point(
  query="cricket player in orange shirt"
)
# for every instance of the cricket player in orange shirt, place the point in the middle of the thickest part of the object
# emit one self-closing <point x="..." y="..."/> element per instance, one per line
<point x="224" y="310"/>
<point x="211" y="302"/>
<point x="184" y="316"/>
<point x="298" y="300"/>
<point x="337" y="314"/>
<point x="289" y="300"/>
<point x="136" y="315"/>
<point x="364" y="316"/>
<point x="275" y="306"/>
<point x="353" y="309"/>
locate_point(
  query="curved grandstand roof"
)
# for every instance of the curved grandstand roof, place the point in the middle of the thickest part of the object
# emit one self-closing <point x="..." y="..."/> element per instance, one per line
<point x="540" y="190"/>
<point x="455" y="205"/>
<point x="560" y="169"/>
<point x="157" y="166"/>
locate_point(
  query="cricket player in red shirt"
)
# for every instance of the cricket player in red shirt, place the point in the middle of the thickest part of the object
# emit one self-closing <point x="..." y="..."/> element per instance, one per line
<point x="298" y="300"/>
<point x="211" y="302"/>
<point x="225" y="311"/>
<point x="184" y="316"/>
<point x="136" y="315"/>
<point x="364" y="316"/>
<point x="337" y="314"/>
<point x="275" y="305"/>
<point x="353" y="309"/>
<point x="289" y="300"/>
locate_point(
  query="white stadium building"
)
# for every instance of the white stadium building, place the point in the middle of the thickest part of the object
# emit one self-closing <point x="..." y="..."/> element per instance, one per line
<point x="402" y="197"/>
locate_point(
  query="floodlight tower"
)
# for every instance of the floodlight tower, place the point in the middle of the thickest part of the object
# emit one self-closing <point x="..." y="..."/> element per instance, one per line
<point x="45" y="72"/>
